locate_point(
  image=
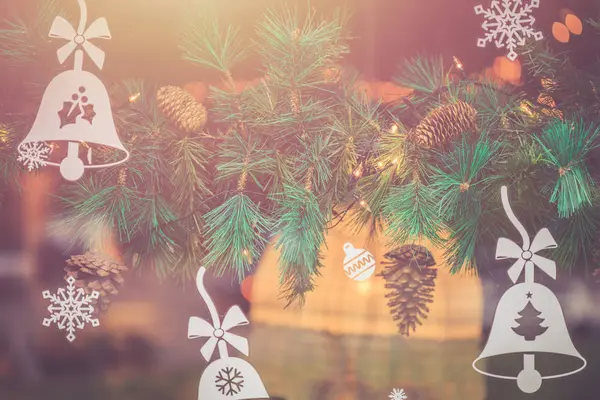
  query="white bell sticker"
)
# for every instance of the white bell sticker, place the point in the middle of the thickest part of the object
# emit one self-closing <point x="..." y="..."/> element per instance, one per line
<point x="75" y="107"/>
<point x="227" y="377"/>
<point x="359" y="264"/>
<point x="529" y="321"/>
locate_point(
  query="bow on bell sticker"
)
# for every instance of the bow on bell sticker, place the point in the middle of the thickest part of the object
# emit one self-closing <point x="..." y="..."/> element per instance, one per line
<point x="199" y="327"/>
<point x="61" y="28"/>
<point x="508" y="249"/>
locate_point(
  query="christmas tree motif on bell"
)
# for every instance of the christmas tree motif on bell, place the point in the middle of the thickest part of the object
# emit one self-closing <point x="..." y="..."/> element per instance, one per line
<point x="529" y="321"/>
<point x="359" y="264"/>
<point x="227" y="378"/>
<point x="75" y="107"/>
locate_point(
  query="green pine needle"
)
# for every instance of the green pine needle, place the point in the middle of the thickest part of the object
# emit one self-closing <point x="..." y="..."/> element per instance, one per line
<point x="565" y="147"/>
<point x="112" y="205"/>
<point x="423" y="74"/>
<point x="463" y="174"/>
<point x="301" y="226"/>
<point x="204" y="42"/>
<point x="412" y="213"/>
<point x="235" y="236"/>
<point x="188" y="173"/>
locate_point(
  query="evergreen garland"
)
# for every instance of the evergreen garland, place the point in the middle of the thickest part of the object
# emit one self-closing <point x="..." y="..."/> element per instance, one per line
<point x="294" y="155"/>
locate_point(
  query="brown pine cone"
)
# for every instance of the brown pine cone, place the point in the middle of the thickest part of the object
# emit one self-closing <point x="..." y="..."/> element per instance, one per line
<point x="93" y="272"/>
<point x="181" y="108"/>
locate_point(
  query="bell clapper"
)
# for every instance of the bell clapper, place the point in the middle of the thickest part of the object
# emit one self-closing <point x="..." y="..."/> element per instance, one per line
<point x="529" y="379"/>
<point x="72" y="168"/>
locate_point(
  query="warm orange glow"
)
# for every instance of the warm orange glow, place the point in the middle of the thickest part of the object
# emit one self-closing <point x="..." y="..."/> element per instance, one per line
<point x="197" y="89"/>
<point x="394" y="129"/>
<point x="364" y="287"/>
<point x="509" y="71"/>
<point x="380" y="164"/>
<point x="560" y="32"/>
<point x="395" y="161"/>
<point x="574" y="24"/>
<point x="246" y="288"/>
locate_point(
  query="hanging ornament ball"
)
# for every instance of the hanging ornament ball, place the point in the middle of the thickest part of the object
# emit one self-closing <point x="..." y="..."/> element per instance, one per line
<point x="445" y="123"/>
<point x="560" y="32"/>
<point x="181" y="108"/>
<point x="72" y="168"/>
<point x="574" y="24"/>
<point x="359" y="264"/>
<point x="529" y="380"/>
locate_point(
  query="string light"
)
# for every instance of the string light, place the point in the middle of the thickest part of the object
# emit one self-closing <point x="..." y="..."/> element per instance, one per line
<point x="395" y="161"/>
<point x="364" y="205"/>
<point x="246" y="253"/>
<point x="380" y="164"/>
<point x="458" y="64"/>
<point x="135" y="97"/>
<point x="358" y="171"/>
<point x="394" y="129"/>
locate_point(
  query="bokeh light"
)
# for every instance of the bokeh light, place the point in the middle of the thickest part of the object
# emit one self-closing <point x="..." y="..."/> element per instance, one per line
<point x="574" y="24"/>
<point x="560" y="32"/>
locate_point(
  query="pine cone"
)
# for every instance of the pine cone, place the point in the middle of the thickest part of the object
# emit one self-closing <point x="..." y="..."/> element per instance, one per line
<point x="445" y="123"/>
<point x="5" y="136"/>
<point x="95" y="273"/>
<point x="410" y="275"/>
<point x="181" y="108"/>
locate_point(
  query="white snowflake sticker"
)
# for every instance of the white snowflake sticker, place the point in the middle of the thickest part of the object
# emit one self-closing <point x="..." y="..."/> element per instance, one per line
<point x="71" y="309"/>
<point x="33" y="155"/>
<point x="508" y="23"/>
<point x="398" y="394"/>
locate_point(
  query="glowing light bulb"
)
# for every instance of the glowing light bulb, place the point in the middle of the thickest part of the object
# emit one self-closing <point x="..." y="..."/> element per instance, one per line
<point x="358" y="171"/>
<point x="135" y="97"/>
<point x="394" y="129"/>
<point x="458" y="64"/>
<point x="364" y="205"/>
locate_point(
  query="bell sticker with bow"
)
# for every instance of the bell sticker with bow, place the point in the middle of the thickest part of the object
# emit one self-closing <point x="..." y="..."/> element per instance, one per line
<point x="227" y="377"/>
<point x="529" y="323"/>
<point x="75" y="107"/>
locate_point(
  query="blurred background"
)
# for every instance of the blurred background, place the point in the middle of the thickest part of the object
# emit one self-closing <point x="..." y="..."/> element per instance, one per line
<point x="343" y="344"/>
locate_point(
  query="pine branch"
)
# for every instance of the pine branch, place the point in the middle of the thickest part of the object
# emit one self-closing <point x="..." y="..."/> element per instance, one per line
<point x="294" y="52"/>
<point x="188" y="173"/>
<point x="301" y="226"/>
<point x="235" y="236"/>
<point x="411" y="212"/>
<point x="23" y="40"/>
<point x="426" y="75"/>
<point x="565" y="148"/>
<point x="112" y="206"/>
<point x="463" y="174"/>
<point x="578" y="237"/>
<point x="204" y="42"/>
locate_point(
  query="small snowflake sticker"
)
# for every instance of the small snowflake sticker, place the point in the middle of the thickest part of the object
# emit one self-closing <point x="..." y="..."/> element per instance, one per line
<point x="398" y="394"/>
<point x="70" y="309"/>
<point x="508" y="23"/>
<point x="33" y="155"/>
<point x="229" y="381"/>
